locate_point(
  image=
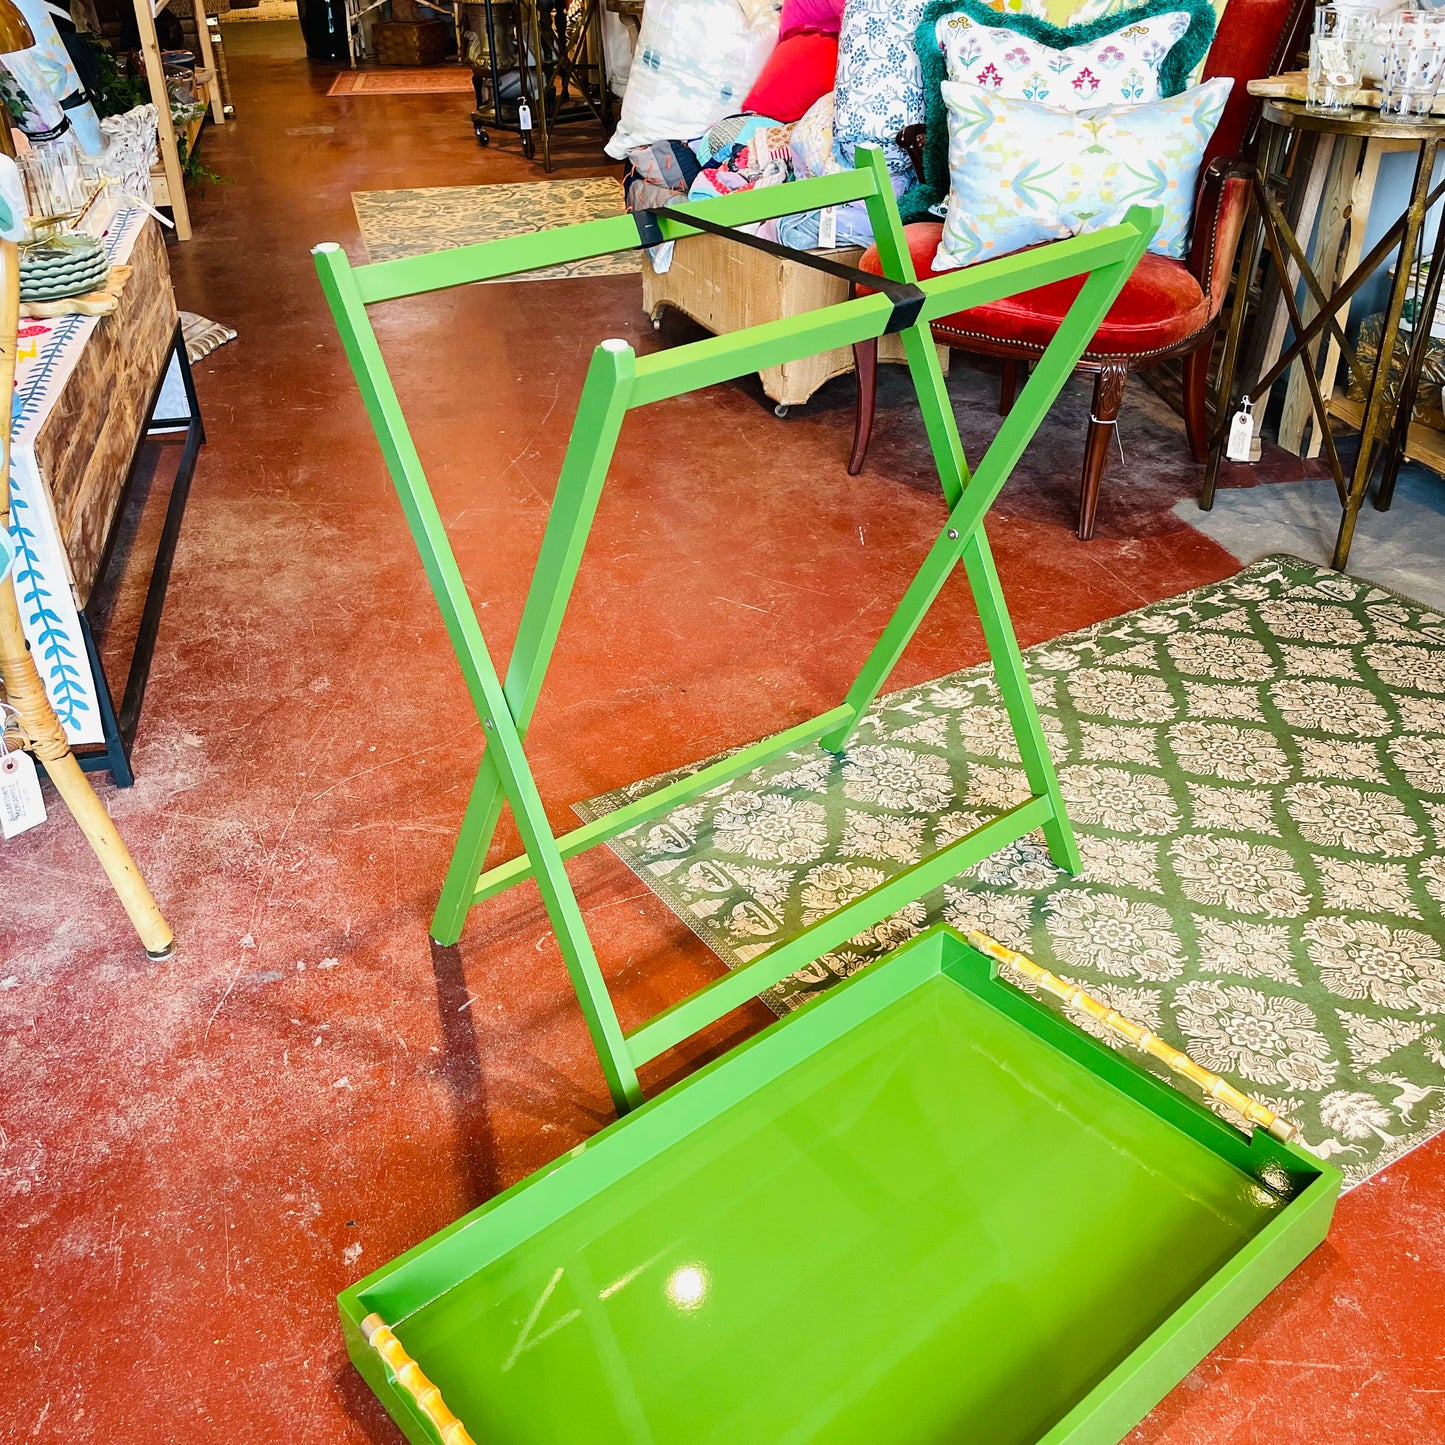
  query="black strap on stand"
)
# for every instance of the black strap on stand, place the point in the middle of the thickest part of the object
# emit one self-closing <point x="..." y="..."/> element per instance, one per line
<point x="906" y="297"/>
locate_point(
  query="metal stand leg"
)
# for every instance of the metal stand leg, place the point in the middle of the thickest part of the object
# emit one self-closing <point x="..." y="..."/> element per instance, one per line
<point x="1377" y="401"/>
<point x="1224" y="391"/>
<point x="119" y="731"/>
<point x="115" y="760"/>
<point x="1410" y="384"/>
<point x="1272" y="230"/>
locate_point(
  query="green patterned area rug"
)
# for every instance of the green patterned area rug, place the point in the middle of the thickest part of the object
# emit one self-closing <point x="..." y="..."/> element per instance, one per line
<point x="1256" y="771"/>
<point x="437" y="218"/>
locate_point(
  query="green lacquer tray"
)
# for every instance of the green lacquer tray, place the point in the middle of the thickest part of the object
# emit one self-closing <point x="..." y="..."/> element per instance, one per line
<point x="923" y="1209"/>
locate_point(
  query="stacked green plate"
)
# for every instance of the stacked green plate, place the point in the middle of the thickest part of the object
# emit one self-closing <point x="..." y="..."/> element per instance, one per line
<point x="67" y="265"/>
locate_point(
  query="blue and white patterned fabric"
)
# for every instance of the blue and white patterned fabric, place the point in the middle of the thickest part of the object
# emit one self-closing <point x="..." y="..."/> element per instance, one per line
<point x="879" y="86"/>
<point x="1024" y="173"/>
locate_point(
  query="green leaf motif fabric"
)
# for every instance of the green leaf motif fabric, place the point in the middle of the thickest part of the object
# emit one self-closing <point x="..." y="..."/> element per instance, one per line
<point x="1256" y="772"/>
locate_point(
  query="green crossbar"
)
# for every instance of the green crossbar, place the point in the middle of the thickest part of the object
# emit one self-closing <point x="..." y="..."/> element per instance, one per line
<point x="618" y="380"/>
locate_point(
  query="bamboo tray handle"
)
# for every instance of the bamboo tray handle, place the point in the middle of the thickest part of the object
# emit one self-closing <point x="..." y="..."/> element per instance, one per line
<point x="410" y="1378"/>
<point x="1145" y="1040"/>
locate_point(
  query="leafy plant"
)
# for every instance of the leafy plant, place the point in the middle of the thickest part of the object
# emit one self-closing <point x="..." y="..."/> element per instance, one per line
<point x="197" y="174"/>
<point x="112" y="90"/>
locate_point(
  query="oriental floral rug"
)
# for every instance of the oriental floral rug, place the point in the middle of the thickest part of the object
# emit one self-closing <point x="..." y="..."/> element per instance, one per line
<point x="436" y="218"/>
<point x="1256" y="773"/>
<point x="404" y="80"/>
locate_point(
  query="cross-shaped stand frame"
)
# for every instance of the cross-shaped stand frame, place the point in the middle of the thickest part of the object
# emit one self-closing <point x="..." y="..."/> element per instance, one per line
<point x="618" y="380"/>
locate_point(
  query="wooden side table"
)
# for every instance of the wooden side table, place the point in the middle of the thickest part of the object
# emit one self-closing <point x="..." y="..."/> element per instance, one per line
<point x="1383" y="428"/>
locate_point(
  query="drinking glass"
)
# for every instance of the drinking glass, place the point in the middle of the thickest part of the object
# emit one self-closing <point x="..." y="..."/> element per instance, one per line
<point x="1413" y="66"/>
<point x="50" y="175"/>
<point x="1335" y="58"/>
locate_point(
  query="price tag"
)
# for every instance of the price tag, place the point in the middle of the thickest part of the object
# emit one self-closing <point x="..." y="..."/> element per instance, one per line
<point x="828" y="227"/>
<point x="524" y="116"/>
<point x="21" y="806"/>
<point x="1240" y="447"/>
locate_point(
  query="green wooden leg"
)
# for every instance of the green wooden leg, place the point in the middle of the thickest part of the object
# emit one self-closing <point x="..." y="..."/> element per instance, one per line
<point x="479" y="826"/>
<point x="966" y="533"/>
<point x="977" y="494"/>
<point x="600" y="413"/>
<point x="1018" y="698"/>
<point x="924" y="368"/>
<point x="604" y="403"/>
<point x="562" y="908"/>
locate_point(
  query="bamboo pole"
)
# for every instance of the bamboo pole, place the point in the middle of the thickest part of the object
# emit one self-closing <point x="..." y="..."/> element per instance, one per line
<point x="1145" y="1040"/>
<point x="25" y="692"/>
<point x="409" y="1376"/>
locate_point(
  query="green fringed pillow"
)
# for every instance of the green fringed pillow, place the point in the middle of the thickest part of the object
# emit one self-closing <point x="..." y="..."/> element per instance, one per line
<point x="1135" y="57"/>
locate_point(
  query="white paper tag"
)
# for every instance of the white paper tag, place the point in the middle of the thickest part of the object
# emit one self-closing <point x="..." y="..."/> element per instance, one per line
<point x="1241" y="434"/>
<point x="524" y="116"/>
<point x="828" y="227"/>
<point x="21" y="805"/>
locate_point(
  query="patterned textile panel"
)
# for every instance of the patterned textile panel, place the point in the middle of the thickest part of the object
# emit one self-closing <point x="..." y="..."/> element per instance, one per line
<point x="1256" y="774"/>
<point x="879" y="86"/>
<point x="1025" y="173"/>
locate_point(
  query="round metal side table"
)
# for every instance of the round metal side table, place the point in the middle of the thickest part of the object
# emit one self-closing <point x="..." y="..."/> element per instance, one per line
<point x="1383" y="430"/>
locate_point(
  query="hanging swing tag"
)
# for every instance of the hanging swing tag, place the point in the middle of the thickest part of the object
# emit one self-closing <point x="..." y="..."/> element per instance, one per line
<point x="524" y="116"/>
<point x="828" y="227"/>
<point x="1241" y="434"/>
<point x="21" y="806"/>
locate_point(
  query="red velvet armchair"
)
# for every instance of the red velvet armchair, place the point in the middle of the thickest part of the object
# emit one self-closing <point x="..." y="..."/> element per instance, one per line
<point x="1167" y="308"/>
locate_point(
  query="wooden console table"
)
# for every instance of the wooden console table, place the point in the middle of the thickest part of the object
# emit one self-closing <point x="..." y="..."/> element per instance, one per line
<point x="89" y="393"/>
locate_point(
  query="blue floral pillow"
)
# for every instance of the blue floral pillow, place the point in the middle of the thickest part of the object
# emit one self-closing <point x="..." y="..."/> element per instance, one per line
<point x="1024" y="172"/>
<point x="1158" y="42"/>
<point x="879" y="87"/>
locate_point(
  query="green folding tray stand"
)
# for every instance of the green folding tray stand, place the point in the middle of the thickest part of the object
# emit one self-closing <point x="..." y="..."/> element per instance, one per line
<point x="923" y="1208"/>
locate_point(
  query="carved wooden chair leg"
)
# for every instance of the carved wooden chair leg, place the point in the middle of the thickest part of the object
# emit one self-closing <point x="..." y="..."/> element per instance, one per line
<point x="1195" y="381"/>
<point x="865" y="360"/>
<point x="1108" y="393"/>
<point x="1007" y="387"/>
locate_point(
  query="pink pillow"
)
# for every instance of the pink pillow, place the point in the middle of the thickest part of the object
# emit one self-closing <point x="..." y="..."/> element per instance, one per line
<point x="799" y="72"/>
<point x="824" y="16"/>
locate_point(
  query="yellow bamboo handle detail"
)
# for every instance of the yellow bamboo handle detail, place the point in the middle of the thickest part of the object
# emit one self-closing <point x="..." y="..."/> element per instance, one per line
<point x="410" y="1378"/>
<point x="1145" y="1040"/>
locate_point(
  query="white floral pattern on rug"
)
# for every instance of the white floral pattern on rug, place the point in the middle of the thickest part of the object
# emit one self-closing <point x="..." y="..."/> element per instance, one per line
<point x="395" y="224"/>
<point x="1256" y="775"/>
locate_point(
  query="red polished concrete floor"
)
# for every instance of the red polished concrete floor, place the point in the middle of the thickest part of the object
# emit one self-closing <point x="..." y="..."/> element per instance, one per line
<point x="196" y="1156"/>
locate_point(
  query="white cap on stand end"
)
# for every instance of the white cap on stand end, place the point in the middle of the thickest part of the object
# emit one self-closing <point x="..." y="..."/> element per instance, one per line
<point x="613" y="344"/>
